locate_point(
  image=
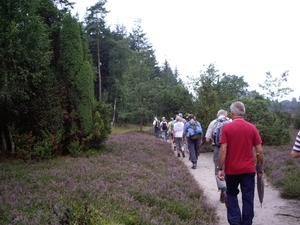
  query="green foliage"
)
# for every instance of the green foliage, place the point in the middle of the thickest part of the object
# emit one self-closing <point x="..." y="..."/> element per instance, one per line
<point x="85" y="99"/>
<point x="23" y="145"/>
<point x="25" y="58"/>
<point x="215" y="91"/>
<point x="75" y="147"/>
<point x="46" y="81"/>
<point x="297" y="120"/>
<point x="285" y="118"/>
<point x="47" y="146"/>
<point x="167" y="75"/>
<point x="291" y="188"/>
<point x="101" y="127"/>
<point x="88" y="215"/>
<point x="71" y="51"/>
<point x="28" y="146"/>
<point x="174" y="99"/>
<point x="137" y="88"/>
<point x="272" y="128"/>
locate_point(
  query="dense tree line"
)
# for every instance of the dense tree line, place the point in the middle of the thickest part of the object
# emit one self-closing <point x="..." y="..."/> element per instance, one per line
<point x="63" y="82"/>
<point x="48" y="106"/>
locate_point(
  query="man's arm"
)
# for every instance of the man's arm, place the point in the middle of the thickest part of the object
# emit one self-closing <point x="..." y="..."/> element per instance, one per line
<point x="259" y="159"/>
<point x="295" y="154"/>
<point x="259" y="154"/>
<point x="222" y="156"/>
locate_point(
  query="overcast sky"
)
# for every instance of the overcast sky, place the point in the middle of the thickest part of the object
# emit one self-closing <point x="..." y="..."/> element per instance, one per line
<point x="243" y="38"/>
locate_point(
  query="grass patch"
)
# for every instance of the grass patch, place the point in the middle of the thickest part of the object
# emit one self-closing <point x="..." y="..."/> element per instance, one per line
<point x="120" y="129"/>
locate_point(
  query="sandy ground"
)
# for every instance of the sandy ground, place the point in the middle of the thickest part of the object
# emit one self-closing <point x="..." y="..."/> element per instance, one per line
<point x="274" y="210"/>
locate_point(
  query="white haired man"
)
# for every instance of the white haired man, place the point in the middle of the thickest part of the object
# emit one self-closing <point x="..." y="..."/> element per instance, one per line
<point x="236" y="164"/>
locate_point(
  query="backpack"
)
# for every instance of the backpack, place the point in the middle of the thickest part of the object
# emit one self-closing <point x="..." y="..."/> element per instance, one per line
<point x="164" y="126"/>
<point x="157" y="123"/>
<point x="194" y="131"/>
<point x="218" y="130"/>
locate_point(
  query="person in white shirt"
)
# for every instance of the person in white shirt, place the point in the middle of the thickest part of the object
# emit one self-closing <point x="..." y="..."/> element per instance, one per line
<point x="178" y="134"/>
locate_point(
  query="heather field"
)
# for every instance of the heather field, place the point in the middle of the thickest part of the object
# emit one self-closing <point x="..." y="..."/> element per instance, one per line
<point x="282" y="170"/>
<point x="136" y="180"/>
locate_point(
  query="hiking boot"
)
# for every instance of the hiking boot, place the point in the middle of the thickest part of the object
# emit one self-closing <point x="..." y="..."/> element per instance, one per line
<point x="178" y="155"/>
<point x="194" y="166"/>
<point x="183" y="155"/>
<point x="223" y="197"/>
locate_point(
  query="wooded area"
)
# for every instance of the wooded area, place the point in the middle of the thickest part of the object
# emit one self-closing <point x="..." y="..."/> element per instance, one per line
<point x="64" y="82"/>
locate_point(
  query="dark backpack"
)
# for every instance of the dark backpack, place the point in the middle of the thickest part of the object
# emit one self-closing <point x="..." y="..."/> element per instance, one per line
<point x="164" y="126"/>
<point x="194" y="131"/>
<point x="218" y="129"/>
<point x="157" y="123"/>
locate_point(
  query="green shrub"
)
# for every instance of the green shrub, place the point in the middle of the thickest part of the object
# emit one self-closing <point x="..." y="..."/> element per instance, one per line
<point x="75" y="148"/>
<point x="86" y="214"/>
<point x="291" y="185"/>
<point x="47" y="146"/>
<point x="272" y="128"/>
<point x="297" y="121"/>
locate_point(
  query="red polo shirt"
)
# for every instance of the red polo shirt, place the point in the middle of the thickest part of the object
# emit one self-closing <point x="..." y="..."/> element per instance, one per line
<point x="240" y="136"/>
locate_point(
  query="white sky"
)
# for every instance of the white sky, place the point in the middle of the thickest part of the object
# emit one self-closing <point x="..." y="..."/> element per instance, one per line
<point x="243" y="38"/>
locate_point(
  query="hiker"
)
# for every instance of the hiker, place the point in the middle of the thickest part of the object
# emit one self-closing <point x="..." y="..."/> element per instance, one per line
<point x="296" y="149"/>
<point x="182" y="119"/>
<point x="170" y="131"/>
<point x="193" y="140"/>
<point x="172" y="127"/>
<point x="164" y="128"/>
<point x="156" y="127"/>
<point x="178" y="135"/>
<point x="236" y="165"/>
<point x="209" y="136"/>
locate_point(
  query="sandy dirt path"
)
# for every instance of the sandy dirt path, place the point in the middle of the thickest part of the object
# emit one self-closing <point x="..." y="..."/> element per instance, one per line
<point x="274" y="210"/>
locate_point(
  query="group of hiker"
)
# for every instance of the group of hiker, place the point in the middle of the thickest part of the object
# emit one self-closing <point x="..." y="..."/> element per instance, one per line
<point x="233" y="141"/>
<point x="181" y="131"/>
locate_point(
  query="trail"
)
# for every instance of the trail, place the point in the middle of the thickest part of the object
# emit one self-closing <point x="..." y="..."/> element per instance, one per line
<point x="274" y="210"/>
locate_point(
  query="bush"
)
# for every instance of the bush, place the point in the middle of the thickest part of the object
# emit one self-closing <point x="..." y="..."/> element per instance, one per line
<point x="297" y="121"/>
<point x="291" y="187"/>
<point x="272" y="128"/>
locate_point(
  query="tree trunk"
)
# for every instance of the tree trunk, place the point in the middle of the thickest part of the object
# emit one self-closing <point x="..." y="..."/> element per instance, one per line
<point x="11" y="143"/>
<point x="99" y="68"/>
<point x="114" y="114"/>
<point x="4" y="145"/>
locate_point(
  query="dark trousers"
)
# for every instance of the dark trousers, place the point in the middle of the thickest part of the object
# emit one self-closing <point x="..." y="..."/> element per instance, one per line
<point x="156" y="132"/>
<point x="194" y="148"/>
<point x="247" y="185"/>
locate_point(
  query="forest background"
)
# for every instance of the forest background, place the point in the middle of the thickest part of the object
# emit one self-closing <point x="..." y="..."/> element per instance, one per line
<point x="64" y="83"/>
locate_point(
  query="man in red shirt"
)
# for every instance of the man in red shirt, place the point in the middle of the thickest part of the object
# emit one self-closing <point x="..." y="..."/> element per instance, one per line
<point x="237" y="165"/>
